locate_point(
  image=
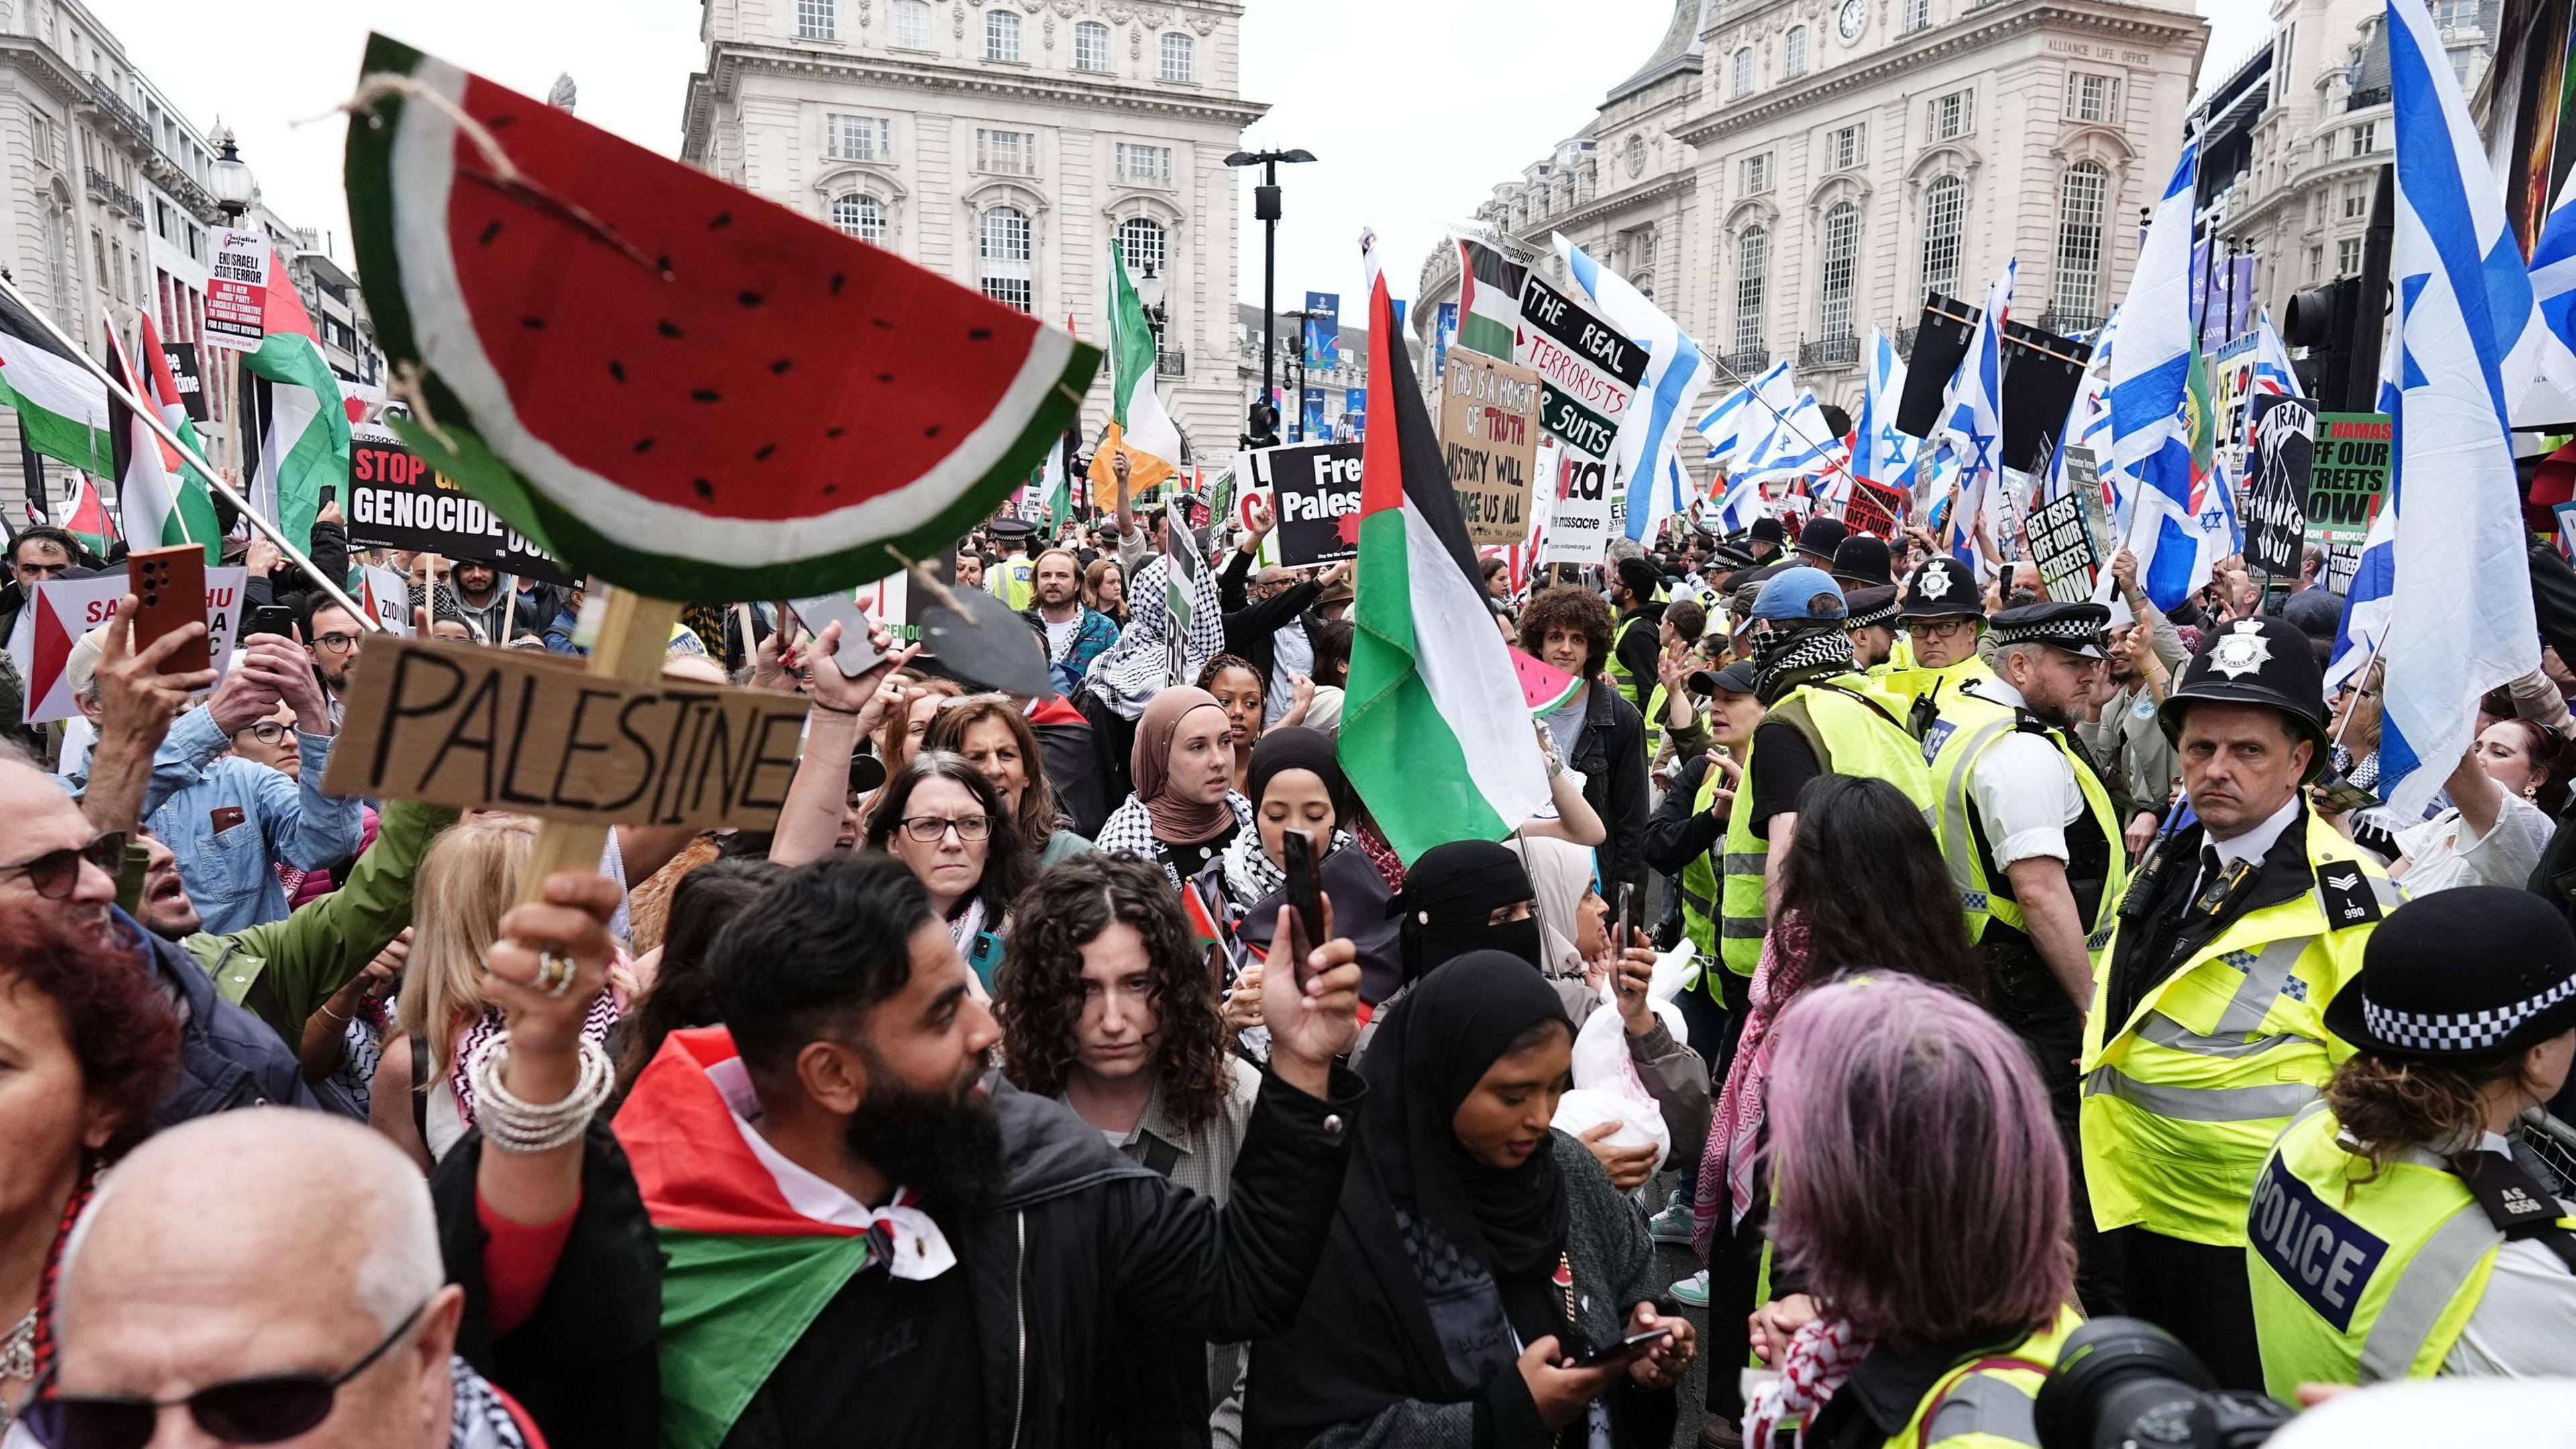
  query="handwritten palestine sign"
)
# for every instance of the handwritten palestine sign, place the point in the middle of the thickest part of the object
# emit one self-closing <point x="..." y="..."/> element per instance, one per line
<point x="1489" y="434"/>
<point x="2062" y="546"/>
<point x="2349" y="476"/>
<point x="470" y="727"/>
<point x="396" y="500"/>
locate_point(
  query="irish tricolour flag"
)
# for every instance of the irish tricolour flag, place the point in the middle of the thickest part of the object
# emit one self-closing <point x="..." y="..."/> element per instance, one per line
<point x="1138" y="426"/>
<point x="1434" y="732"/>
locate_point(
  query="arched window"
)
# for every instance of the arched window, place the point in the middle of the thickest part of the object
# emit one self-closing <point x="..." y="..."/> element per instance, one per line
<point x="1141" y="242"/>
<point x="1001" y="34"/>
<point x="912" y="24"/>
<point x="2083" y="202"/>
<point x="1090" y="46"/>
<point x="1945" y="212"/>
<point x="1180" y="58"/>
<point x="1743" y="72"/>
<point x="860" y="216"/>
<point x="1793" y="52"/>
<point x="1002" y="255"/>
<point x="1842" y="261"/>
<point x="1752" y="285"/>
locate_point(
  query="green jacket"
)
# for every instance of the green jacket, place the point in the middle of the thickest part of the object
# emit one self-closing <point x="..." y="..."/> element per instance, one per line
<point x="283" y="971"/>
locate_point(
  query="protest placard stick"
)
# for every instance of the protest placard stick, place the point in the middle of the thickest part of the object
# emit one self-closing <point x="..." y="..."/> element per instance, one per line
<point x="149" y="414"/>
<point x="634" y="638"/>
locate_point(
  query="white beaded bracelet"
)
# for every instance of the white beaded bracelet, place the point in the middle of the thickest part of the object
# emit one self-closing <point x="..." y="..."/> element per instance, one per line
<point x="515" y="1125"/>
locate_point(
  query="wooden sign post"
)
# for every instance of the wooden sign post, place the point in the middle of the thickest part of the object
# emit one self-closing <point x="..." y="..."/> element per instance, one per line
<point x="634" y="639"/>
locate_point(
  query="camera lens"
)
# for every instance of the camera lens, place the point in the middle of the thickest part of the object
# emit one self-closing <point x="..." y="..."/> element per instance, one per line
<point x="2113" y="1374"/>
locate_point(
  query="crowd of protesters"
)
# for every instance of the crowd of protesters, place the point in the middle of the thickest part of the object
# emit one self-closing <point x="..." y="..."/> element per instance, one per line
<point x="1937" y="964"/>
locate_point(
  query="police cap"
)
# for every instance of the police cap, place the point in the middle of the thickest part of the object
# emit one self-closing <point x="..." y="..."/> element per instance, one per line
<point x="2465" y="977"/>
<point x="1941" y="588"/>
<point x="2075" y="628"/>
<point x="2262" y="661"/>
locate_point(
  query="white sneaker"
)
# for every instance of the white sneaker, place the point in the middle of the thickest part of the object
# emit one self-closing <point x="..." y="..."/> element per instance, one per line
<point x="1673" y="1224"/>
<point x="1692" y="1290"/>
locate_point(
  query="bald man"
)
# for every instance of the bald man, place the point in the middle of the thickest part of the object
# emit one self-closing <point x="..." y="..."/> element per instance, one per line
<point x="184" y="1275"/>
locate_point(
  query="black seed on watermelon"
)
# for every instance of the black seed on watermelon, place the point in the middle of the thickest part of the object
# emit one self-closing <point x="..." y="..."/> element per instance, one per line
<point x="765" y="450"/>
<point x="705" y="395"/>
<point x="501" y="123"/>
<point x="979" y="334"/>
<point x="617" y="369"/>
<point x="704" y="488"/>
<point x="489" y="232"/>
<point x="830" y="489"/>
<point x="931" y="432"/>
<point x="885" y="377"/>
<point x="720" y="221"/>
<point x="881" y="324"/>
<point x="644" y="445"/>
<point x="837" y="280"/>
<point x="750" y="299"/>
<point x="834" y="432"/>
<point x="667" y="329"/>
<point x="533" y="324"/>
<point x="780" y="367"/>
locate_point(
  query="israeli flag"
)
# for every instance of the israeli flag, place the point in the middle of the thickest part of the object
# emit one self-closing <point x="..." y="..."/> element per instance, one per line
<point x="2553" y="289"/>
<point x="1742" y="419"/>
<point x="2148" y="388"/>
<point x="2460" y="615"/>
<point x="1972" y="414"/>
<point x="1650" y="431"/>
<point x="1880" y="453"/>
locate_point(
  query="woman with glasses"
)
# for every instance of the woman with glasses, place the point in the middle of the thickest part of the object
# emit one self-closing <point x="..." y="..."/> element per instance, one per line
<point x="938" y="816"/>
<point x="997" y="739"/>
<point x="87" y="1048"/>
<point x="1185" y="810"/>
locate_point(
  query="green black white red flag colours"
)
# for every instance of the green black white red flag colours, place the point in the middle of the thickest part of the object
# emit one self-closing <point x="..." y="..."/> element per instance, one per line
<point x="665" y="380"/>
<point x="296" y="429"/>
<point x="164" y="501"/>
<point x="61" y="405"/>
<point x="1435" y="735"/>
<point x="1139" y="426"/>
<point x="1489" y="301"/>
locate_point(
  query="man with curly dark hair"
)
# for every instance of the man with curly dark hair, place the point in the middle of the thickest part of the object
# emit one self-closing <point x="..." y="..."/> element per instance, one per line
<point x="1597" y="732"/>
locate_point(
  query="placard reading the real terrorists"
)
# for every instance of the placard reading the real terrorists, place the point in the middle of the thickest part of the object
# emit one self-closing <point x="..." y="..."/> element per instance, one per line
<point x="1314" y="494"/>
<point x="1590" y="371"/>
<point x="467" y="726"/>
<point x="2062" y="546"/>
<point x="1489" y="433"/>
<point x="396" y="500"/>
<point x="2276" y="485"/>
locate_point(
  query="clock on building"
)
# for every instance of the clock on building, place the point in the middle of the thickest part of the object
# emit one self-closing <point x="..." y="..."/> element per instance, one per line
<point x="1855" y="15"/>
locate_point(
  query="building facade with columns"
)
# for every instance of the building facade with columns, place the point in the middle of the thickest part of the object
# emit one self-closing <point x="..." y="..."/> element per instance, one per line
<point x="1006" y="143"/>
<point x="1783" y="175"/>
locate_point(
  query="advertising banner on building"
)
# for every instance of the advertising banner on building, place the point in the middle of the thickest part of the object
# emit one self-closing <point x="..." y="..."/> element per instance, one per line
<point x="1323" y="330"/>
<point x="1311" y="427"/>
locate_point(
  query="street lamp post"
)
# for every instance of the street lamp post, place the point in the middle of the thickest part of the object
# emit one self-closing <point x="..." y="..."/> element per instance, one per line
<point x="235" y="189"/>
<point x="1265" y="209"/>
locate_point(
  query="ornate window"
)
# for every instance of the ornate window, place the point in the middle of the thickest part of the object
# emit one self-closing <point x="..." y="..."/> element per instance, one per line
<point x="1752" y="285"/>
<point x="1001" y="34"/>
<point x="1757" y="174"/>
<point x="1742" y="75"/>
<point x="2083" y="205"/>
<point x="1142" y="165"/>
<point x="814" y="20"/>
<point x="863" y="217"/>
<point x="1793" y="52"/>
<point x="1848" y="145"/>
<point x="857" y="138"/>
<point x="2094" y="98"/>
<point x="1142" y="243"/>
<point x="1006" y="153"/>
<point x="1842" y="263"/>
<point x="1002" y="255"/>
<point x="1918" y="13"/>
<point x="1180" y="59"/>
<point x="1945" y="214"/>
<point x="1090" y="46"/>
<point x="912" y="24"/>
<point x="1954" y="115"/>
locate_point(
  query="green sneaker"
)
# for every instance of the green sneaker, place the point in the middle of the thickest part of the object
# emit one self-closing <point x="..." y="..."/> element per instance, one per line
<point x="1692" y="1290"/>
<point x="1673" y="1224"/>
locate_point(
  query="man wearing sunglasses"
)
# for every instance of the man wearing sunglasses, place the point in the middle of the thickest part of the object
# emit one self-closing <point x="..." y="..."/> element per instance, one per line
<point x="190" y="1309"/>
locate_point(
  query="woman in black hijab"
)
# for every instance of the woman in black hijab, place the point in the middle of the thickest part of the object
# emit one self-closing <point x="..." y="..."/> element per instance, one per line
<point x="1462" y="896"/>
<point x="1475" y="1248"/>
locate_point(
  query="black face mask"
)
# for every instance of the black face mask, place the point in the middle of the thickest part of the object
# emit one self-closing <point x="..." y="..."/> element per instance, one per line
<point x="1432" y="946"/>
<point x="945" y="1146"/>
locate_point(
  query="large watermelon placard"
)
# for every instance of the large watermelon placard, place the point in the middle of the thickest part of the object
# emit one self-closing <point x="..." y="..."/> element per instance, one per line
<point x="670" y="382"/>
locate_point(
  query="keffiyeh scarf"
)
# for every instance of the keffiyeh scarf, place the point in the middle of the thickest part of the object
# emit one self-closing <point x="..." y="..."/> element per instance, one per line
<point x="1725" y="1189"/>
<point x="480" y="1418"/>
<point x="1819" y="1358"/>
<point x="1129" y="673"/>
<point x="1778" y="656"/>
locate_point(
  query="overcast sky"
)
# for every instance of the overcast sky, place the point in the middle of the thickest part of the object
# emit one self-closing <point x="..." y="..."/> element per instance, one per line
<point x="1415" y="108"/>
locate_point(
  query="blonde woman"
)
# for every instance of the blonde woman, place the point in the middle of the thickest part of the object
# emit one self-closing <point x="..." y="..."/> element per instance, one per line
<point x="468" y="879"/>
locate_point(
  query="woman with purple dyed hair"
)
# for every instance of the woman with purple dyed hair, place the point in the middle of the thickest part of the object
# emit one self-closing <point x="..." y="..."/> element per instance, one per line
<point x="1922" y="1195"/>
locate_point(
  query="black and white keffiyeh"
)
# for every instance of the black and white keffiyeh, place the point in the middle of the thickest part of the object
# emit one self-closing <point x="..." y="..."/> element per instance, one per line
<point x="1129" y="673"/>
<point x="1780" y="657"/>
<point x="479" y="1418"/>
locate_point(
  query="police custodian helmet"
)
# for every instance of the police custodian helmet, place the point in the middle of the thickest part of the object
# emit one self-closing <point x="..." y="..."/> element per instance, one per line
<point x="1941" y="587"/>
<point x="2263" y="661"/>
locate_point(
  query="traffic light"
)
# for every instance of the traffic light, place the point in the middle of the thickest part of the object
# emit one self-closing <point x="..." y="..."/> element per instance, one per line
<point x="1264" y="432"/>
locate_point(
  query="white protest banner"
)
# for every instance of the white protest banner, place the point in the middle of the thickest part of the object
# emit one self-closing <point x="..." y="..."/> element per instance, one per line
<point x="388" y="597"/>
<point x="1251" y="486"/>
<point x="1589" y="371"/>
<point x="237" y="289"/>
<point x="60" y="611"/>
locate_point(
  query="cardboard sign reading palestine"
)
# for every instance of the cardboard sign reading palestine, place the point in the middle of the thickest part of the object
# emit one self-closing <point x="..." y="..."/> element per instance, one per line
<point x="2348" y="476"/>
<point x="2276" y="484"/>
<point x="467" y="726"/>
<point x="1489" y="431"/>
<point x="1589" y="370"/>
<point x="1314" y="495"/>
<point x="2062" y="546"/>
<point x="396" y="500"/>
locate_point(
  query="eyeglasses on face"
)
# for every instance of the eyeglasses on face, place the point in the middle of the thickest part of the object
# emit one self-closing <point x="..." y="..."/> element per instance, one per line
<point x="1941" y="628"/>
<point x="269" y="732"/>
<point x="55" y="873"/>
<point x="927" y="829"/>
<point x="268" y="1409"/>
<point x="336" y="643"/>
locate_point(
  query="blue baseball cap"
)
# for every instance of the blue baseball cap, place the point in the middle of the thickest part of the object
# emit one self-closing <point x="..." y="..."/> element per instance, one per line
<point x="1785" y="597"/>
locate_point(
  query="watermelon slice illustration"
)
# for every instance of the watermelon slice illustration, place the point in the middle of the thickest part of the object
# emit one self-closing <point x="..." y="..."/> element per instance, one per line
<point x="666" y="380"/>
<point x="1544" y="687"/>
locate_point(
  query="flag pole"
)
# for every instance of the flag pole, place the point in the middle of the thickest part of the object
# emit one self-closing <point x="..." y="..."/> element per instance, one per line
<point x="150" y="416"/>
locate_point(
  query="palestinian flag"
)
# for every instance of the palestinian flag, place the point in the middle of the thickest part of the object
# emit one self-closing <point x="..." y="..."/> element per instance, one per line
<point x="296" y="428"/>
<point x="164" y="501"/>
<point x="1138" y="426"/>
<point x="1435" y="735"/>
<point x="83" y="514"/>
<point x="61" y="405"/>
<point x="746" y="1265"/>
<point x="1489" y="299"/>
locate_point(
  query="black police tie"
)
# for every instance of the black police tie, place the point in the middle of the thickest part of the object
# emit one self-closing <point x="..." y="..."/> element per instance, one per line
<point x="2210" y="869"/>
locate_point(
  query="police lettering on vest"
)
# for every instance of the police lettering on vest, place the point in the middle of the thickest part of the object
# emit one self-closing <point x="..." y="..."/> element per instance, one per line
<point x="2323" y="1256"/>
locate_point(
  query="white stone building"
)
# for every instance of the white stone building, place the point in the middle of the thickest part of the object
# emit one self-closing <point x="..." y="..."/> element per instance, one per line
<point x="1005" y="143"/>
<point x="1782" y="175"/>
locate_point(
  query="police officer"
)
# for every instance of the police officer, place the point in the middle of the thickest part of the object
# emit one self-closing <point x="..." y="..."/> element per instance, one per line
<point x="1014" y="579"/>
<point x="2393" y="1232"/>
<point x="2207" y="1032"/>
<point x="1872" y="626"/>
<point x="1683" y="838"/>
<point x="1944" y="616"/>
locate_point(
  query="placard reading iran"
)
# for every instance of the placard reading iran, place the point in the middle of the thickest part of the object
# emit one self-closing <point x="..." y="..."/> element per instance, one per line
<point x="1489" y="435"/>
<point x="509" y="729"/>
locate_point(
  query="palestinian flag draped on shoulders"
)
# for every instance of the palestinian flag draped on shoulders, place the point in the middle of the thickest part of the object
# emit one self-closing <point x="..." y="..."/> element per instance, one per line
<point x="1435" y="735"/>
<point x="753" y="1246"/>
<point x="297" y="428"/>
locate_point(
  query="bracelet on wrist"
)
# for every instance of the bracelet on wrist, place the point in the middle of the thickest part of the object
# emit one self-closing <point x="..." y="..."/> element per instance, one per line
<point x="816" y="706"/>
<point x="335" y="1016"/>
<point x="512" y="1124"/>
